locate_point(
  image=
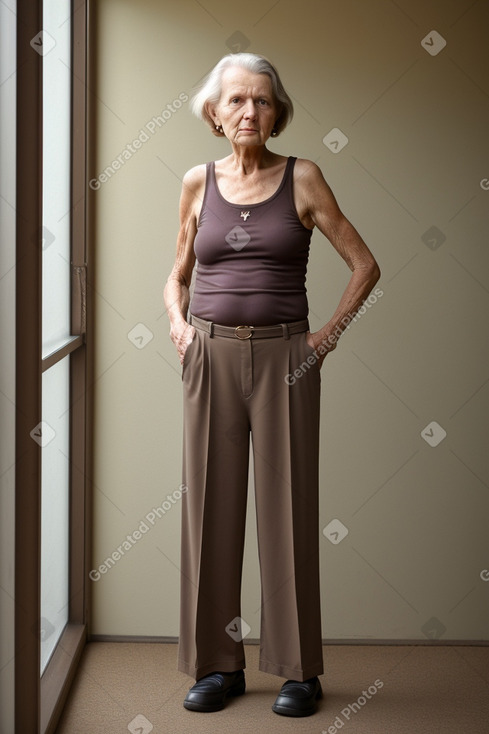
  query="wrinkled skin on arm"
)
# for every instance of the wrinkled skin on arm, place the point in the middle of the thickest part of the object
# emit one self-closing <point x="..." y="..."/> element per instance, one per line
<point x="176" y="293"/>
<point x="317" y="206"/>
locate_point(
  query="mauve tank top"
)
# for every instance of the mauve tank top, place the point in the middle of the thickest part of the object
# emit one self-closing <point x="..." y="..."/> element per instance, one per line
<point x="251" y="259"/>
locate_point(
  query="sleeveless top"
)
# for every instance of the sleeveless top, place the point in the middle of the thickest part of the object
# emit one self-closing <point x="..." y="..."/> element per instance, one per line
<point x="251" y="259"/>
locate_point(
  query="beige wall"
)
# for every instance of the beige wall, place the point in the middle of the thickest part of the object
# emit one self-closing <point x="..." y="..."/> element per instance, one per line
<point x="417" y="126"/>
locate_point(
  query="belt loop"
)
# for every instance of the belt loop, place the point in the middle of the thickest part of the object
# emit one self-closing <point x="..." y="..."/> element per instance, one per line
<point x="211" y="329"/>
<point x="285" y="331"/>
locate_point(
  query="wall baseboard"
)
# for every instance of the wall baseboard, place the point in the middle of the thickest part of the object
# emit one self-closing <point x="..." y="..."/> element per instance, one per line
<point x="254" y="641"/>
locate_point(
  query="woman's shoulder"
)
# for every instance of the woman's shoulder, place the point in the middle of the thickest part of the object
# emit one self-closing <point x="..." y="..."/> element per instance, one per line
<point x="307" y="170"/>
<point x="195" y="176"/>
<point x="308" y="177"/>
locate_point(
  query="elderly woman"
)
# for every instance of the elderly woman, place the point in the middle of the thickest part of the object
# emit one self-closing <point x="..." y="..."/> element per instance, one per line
<point x="247" y="219"/>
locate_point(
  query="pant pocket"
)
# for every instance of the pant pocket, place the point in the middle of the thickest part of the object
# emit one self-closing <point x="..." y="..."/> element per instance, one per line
<point x="307" y="346"/>
<point x="188" y="352"/>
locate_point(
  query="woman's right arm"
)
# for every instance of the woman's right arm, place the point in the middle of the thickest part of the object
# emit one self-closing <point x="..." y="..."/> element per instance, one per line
<point x="176" y="293"/>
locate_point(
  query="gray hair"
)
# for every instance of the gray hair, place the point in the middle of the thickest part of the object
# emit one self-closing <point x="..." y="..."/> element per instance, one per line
<point x="209" y="91"/>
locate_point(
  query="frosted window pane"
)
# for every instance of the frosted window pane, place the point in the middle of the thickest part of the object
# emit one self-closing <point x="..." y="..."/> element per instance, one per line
<point x="56" y="170"/>
<point x="54" y="506"/>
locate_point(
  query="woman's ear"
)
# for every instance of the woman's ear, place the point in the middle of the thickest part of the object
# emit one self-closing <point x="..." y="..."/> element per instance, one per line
<point x="212" y="113"/>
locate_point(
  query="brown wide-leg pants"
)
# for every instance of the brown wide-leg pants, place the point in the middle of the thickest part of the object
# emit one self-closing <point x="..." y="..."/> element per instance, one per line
<point x="233" y="388"/>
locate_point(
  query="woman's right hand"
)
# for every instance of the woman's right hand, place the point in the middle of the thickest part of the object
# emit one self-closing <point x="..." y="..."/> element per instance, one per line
<point x="182" y="336"/>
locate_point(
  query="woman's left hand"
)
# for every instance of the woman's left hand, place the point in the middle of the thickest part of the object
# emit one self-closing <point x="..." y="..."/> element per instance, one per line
<point x="315" y="340"/>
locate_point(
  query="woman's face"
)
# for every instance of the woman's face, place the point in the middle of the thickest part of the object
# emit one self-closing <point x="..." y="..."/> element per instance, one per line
<point x="246" y="110"/>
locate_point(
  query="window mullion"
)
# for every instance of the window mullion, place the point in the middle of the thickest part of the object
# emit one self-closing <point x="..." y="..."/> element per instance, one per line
<point x="69" y="346"/>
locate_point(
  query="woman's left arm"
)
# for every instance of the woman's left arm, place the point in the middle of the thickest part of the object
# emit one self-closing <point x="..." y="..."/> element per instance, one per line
<point x="318" y="207"/>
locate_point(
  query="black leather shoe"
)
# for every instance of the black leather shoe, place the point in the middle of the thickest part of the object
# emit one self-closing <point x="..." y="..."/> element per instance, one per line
<point x="298" y="698"/>
<point x="211" y="691"/>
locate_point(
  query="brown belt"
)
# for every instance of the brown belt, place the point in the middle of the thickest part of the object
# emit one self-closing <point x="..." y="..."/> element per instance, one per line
<point x="247" y="332"/>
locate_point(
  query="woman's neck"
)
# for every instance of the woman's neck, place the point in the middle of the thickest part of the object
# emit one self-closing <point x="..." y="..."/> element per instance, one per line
<point x="247" y="160"/>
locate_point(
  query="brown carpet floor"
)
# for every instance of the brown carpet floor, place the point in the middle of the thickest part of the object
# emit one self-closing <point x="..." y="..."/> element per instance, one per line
<point x="135" y="687"/>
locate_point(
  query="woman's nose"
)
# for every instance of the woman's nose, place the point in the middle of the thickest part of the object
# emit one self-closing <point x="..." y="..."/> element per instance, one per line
<point x="250" y="110"/>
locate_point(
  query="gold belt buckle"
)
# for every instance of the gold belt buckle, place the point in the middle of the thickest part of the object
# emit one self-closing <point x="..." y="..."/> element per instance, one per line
<point x="238" y="332"/>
